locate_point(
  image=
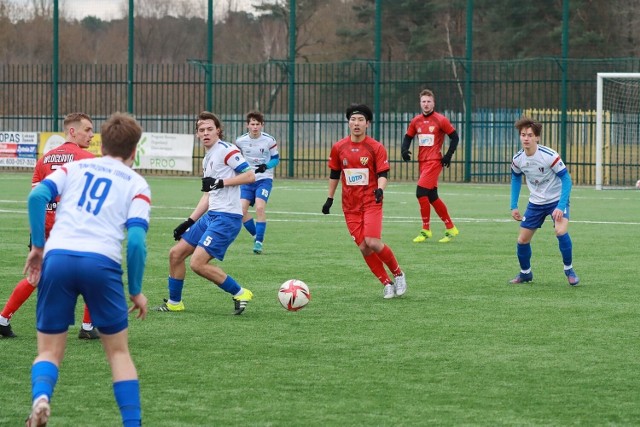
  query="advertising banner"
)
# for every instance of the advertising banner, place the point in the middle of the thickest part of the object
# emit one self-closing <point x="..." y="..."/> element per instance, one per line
<point x="165" y="151"/>
<point x="18" y="149"/>
<point x="51" y="140"/>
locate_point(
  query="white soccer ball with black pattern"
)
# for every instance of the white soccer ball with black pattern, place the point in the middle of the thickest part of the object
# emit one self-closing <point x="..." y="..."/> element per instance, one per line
<point x="294" y="295"/>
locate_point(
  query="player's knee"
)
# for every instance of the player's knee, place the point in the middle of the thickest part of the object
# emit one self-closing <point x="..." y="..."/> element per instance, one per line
<point x="432" y="194"/>
<point x="421" y="192"/>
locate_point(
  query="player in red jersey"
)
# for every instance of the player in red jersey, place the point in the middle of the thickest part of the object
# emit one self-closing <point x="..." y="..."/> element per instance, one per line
<point x="361" y="163"/>
<point x="78" y="129"/>
<point x="431" y="127"/>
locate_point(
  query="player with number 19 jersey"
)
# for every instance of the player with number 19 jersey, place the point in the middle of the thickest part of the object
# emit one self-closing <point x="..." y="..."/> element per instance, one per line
<point x="88" y="187"/>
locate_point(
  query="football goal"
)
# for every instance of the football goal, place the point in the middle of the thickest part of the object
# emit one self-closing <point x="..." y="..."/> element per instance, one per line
<point x="617" y="130"/>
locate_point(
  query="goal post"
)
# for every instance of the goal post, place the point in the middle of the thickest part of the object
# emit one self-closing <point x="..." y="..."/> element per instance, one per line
<point x="617" y="130"/>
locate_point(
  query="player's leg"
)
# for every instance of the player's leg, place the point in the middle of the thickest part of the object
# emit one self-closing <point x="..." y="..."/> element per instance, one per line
<point x="534" y="218"/>
<point x="105" y="296"/>
<point x="19" y="295"/>
<point x="55" y="310"/>
<point x="355" y="225"/>
<point x="425" y="214"/>
<point x="214" y="243"/>
<point x="247" y="199"/>
<point x="44" y="375"/>
<point x="87" y="331"/>
<point x="178" y="255"/>
<point x="566" y="248"/>
<point x="373" y="233"/>
<point x="126" y="387"/>
<point x="263" y="191"/>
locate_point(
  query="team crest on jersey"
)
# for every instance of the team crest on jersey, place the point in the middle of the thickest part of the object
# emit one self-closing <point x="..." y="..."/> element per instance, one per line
<point x="432" y="128"/>
<point x="541" y="170"/>
<point x="364" y="161"/>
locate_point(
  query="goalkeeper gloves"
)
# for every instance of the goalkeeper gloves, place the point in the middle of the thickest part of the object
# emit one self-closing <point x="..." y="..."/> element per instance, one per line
<point x="209" y="184"/>
<point x="379" y="194"/>
<point x="406" y="155"/>
<point x="327" y="205"/>
<point x="179" y="231"/>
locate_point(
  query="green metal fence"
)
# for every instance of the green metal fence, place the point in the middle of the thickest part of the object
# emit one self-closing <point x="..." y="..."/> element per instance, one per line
<point x="166" y="98"/>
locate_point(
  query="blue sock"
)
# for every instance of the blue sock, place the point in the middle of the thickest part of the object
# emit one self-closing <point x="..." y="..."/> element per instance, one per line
<point x="261" y="227"/>
<point x="175" y="289"/>
<point x="44" y="376"/>
<point x="127" y="395"/>
<point x="250" y="226"/>
<point x="524" y="256"/>
<point x="566" y="248"/>
<point x="230" y="285"/>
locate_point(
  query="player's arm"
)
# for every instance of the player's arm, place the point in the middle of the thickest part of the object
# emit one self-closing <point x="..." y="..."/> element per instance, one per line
<point x="36" y="205"/>
<point x="404" y="150"/>
<point x="334" y="178"/>
<point x="201" y="208"/>
<point x="382" y="184"/>
<point x="136" y="261"/>
<point x="567" y="184"/>
<point x="453" y="144"/>
<point x="516" y="186"/>
<point x="245" y="175"/>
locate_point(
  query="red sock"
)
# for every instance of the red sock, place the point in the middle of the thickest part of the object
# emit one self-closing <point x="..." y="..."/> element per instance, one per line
<point x="20" y="294"/>
<point x="441" y="210"/>
<point x="86" y="318"/>
<point x="377" y="268"/>
<point x="425" y="212"/>
<point x="386" y="255"/>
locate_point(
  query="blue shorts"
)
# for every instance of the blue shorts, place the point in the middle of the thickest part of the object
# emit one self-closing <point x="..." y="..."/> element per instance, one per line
<point x="535" y="215"/>
<point x="259" y="189"/>
<point x="214" y="231"/>
<point x="67" y="274"/>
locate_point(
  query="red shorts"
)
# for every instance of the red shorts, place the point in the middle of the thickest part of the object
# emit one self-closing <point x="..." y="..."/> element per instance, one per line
<point x="429" y="173"/>
<point x="49" y="219"/>
<point x="365" y="224"/>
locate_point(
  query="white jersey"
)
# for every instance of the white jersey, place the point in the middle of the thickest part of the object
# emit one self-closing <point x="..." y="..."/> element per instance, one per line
<point x="224" y="160"/>
<point x="258" y="151"/>
<point x="98" y="198"/>
<point x="541" y="171"/>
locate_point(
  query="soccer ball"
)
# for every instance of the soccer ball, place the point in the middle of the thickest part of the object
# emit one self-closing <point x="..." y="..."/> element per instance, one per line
<point x="294" y="294"/>
<point x="638" y="184"/>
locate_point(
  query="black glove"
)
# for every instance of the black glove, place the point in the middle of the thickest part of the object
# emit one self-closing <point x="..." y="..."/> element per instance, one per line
<point x="379" y="194"/>
<point x="446" y="160"/>
<point x="327" y="205"/>
<point x="179" y="231"/>
<point x="406" y="155"/>
<point x="261" y="168"/>
<point x="209" y="184"/>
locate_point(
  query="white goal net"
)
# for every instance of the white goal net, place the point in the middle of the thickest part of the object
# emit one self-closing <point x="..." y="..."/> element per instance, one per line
<point x="618" y="130"/>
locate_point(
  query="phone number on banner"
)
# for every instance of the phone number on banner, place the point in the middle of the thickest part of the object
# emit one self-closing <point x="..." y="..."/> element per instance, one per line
<point x="17" y="162"/>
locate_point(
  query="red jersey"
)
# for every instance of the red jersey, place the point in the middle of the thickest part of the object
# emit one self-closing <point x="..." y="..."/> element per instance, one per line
<point x="431" y="130"/>
<point x="52" y="160"/>
<point x="360" y="163"/>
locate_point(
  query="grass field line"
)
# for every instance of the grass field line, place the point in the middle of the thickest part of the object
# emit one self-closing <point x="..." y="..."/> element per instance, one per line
<point x="338" y="218"/>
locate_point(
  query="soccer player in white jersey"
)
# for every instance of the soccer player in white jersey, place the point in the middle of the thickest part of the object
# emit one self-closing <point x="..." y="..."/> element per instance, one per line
<point x="261" y="151"/>
<point x="549" y="185"/>
<point x="216" y="220"/>
<point x="99" y="199"/>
